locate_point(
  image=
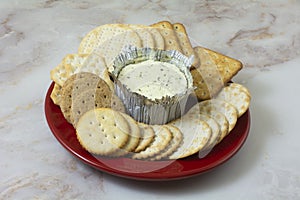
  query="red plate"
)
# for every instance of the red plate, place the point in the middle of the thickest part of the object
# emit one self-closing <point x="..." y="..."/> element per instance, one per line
<point x="146" y="170"/>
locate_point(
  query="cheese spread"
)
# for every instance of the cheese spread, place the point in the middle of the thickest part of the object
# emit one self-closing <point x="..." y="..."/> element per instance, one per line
<point x="154" y="79"/>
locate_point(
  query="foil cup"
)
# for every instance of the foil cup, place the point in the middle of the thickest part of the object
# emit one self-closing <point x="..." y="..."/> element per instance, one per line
<point x="142" y="108"/>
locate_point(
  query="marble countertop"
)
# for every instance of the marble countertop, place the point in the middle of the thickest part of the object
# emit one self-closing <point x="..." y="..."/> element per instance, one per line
<point x="264" y="35"/>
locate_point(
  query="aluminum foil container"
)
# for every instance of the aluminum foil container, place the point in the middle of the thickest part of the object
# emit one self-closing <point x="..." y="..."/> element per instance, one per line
<point x="163" y="106"/>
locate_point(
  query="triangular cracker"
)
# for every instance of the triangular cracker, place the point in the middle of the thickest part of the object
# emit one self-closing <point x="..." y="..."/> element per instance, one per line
<point x="214" y="71"/>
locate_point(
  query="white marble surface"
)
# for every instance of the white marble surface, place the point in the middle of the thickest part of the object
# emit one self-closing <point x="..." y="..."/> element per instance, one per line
<point x="264" y="35"/>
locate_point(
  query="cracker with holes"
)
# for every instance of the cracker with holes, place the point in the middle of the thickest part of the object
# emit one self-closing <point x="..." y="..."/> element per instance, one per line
<point x="109" y="40"/>
<point x="161" y="140"/>
<point x="236" y="95"/>
<point x="56" y="94"/>
<point x="146" y="137"/>
<point x="176" y="141"/>
<point x="59" y="74"/>
<point x="217" y="123"/>
<point x="76" y="63"/>
<point x="220" y="119"/>
<point x="165" y="28"/>
<point x="214" y="105"/>
<point x="184" y="42"/>
<point x="102" y="131"/>
<point x="145" y="35"/>
<point x="196" y="134"/>
<point x="114" y="122"/>
<point x="73" y="87"/>
<point x="98" y="93"/>
<point x="134" y="137"/>
<point x="214" y="71"/>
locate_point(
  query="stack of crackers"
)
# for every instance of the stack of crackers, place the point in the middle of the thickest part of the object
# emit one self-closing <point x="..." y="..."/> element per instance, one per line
<point x="85" y="93"/>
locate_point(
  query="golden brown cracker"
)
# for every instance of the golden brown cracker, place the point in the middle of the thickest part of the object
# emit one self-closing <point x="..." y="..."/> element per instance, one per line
<point x="102" y="131"/>
<point x="166" y="30"/>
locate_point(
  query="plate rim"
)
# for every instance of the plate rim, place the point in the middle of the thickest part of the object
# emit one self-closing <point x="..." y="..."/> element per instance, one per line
<point x="147" y="176"/>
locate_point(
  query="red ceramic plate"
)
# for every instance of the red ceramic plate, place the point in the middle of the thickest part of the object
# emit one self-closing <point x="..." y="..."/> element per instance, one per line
<point x="146" y="170"/>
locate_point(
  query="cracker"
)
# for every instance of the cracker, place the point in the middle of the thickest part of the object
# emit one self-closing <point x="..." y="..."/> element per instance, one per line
<point x="56" y="94"/>
<point x="159" y="42"/>
<point x="176" y="141"/>
<point x="59" y="74"/>
<point x="116" y="104"/>
<point x="144" y="34"/>
<point x="102" y="131"/>
<point x="161" y="140"/>
<point x="195" y="112"/>
<point x="90" y="99"/>
<point x="184" y="42"/>
<point x="215" y="131"/>
<point x="147" y="137"/>
<point x="76" y="63"/>
<point x="223" y="107"/>
<point x="134" y="137"/>
<point x="221" y="121"/>
<point x="207" y="82"/>
<point x="165" y="28"/>
<point x="109" y="40"/>
<point x="196" y="134"/>
<point x="236" y="97"/>
<point x="92" y="63"/>
<point x="226" y="66"/>
<point x="101" y="34"/>
<point x="214" y="71"/>
<point x="76" y="85"/>
<point x="241" y="87"/>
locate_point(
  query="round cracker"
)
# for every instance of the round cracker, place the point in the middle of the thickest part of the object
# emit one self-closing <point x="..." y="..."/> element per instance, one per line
<point x="214" y="105"/>
<point x="221" y="121"/>
<point x="241" y="87"/>
<point x="88" y="100"/>
<point x="215" y="131"/>
<point x="215" y="127"/>
<point x="236" y="95"/>
<point x="147" y="137"/>
<point x="75" y="86"/>
<point x="102" y="131"/>
<point x="176" y="141"/>
<point x="134" y="137"/>
<point x="196" y="133"/>
<point x="161" y="141"/>
<point x="116" y="104"/>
